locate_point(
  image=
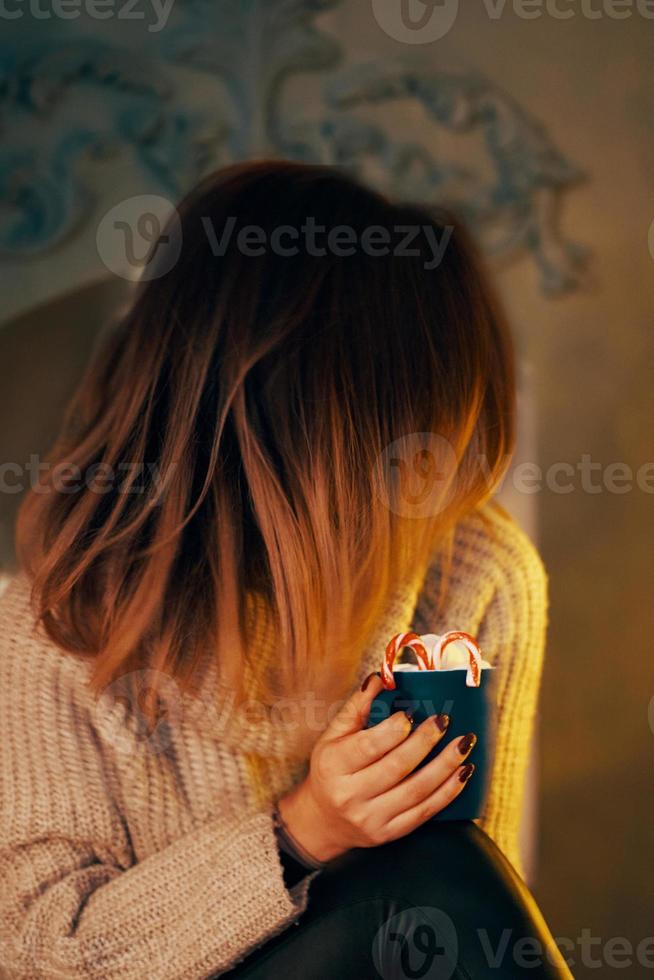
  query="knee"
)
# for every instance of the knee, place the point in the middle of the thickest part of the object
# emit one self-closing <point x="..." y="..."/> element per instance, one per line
<point x="432" y="858"/>
<point x="438" y="863"/>
<point x="454" y="873"/>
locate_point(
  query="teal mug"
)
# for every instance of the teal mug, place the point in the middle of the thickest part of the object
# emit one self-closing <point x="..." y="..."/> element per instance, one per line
<point x="471" y="709"/>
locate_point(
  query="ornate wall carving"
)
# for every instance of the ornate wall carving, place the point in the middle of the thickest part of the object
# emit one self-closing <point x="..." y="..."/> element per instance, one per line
<point x="78" y="91"/>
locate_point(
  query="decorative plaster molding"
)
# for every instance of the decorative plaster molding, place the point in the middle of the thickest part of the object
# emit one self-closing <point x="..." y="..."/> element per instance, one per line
<point x="506" y="178"/>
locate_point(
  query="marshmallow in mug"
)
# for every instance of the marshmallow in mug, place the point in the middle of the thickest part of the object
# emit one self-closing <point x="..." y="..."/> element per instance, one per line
<point x="454" y="650"/>
<point x="455" y="655"/>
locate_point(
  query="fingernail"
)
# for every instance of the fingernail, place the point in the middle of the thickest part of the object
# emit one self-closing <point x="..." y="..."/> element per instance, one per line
<point x="367" y="680"/>
<point x="467" y="743"/>
<point x="465" y="772"/>
<point x="441" y="721"/>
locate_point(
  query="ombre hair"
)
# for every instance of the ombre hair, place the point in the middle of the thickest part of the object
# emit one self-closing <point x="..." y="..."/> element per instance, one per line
<point x="260" y="396"/>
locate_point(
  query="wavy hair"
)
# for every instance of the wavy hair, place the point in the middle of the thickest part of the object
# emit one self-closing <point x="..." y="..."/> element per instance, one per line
<point x="260" y="403"/>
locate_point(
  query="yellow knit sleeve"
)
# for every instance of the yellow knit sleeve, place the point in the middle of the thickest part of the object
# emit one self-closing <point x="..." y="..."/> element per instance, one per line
<point x="512" y="634"/>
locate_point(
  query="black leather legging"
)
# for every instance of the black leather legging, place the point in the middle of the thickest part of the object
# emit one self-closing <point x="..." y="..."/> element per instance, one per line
<point x="441" y="903"/>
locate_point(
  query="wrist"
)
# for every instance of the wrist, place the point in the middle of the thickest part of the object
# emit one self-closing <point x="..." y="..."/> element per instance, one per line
<point x="305" y="821"/>
<point x="289" y="847"/>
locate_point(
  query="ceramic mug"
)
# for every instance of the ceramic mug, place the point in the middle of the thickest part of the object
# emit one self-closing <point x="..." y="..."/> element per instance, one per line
<point x="471" y="709"/>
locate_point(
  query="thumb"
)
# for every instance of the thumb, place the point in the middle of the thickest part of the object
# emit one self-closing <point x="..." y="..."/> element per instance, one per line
<point x="354" y="714"/>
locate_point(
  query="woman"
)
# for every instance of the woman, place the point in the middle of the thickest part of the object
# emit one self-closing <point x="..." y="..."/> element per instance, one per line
<point x="239" y="512"/>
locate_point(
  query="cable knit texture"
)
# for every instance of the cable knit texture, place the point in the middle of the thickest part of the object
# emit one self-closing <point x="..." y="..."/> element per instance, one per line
<point x="128" y="853"/>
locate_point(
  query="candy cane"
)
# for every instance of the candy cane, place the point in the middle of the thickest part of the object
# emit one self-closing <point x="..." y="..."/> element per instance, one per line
<point x="473" y="674"/>
<point x="399" y="641"/>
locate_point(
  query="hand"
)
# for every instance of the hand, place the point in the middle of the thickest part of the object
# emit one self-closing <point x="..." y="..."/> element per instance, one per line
<point x="361" y="789"/>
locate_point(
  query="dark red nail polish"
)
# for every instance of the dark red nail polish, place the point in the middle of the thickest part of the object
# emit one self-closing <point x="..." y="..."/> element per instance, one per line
<point x="399" y="708"/>
<point x="467" y="743"/>
<point x="466" y="772"/>
<point x="441" y="722"/>
<point x="367" y="680"/>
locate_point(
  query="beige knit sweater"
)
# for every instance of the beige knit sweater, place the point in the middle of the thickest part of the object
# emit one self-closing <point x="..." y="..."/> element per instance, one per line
<point x="128" y="853"/>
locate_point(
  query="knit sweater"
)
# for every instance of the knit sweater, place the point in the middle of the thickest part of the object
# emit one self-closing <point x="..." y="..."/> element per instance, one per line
<point x="130" y="853"/>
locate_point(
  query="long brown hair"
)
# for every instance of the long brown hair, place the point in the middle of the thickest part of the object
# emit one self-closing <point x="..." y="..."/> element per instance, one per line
<point x="271" y="393"/>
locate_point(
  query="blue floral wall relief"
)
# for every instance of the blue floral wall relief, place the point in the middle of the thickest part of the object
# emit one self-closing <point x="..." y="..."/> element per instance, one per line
<point x="212" y="86"/>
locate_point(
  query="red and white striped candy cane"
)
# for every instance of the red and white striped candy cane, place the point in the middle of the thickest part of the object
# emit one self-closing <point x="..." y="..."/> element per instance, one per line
<point x="473" y="674"/>
<point x="399" y="641"/>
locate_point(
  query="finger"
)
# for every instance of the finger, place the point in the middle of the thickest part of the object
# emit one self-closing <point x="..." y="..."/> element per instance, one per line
<point x="354" y="714"/>
<point x="416" y="815"/>
<point x="386" y="768"/>
<point x="361" y="749"/>
<point x="421" y="785"/>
